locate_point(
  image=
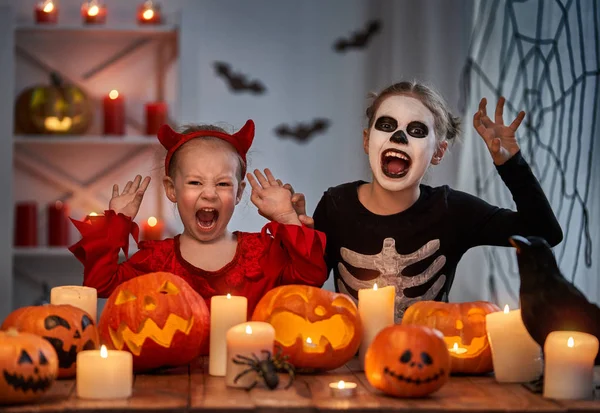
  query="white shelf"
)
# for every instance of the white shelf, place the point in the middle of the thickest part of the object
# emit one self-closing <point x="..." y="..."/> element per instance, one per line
<point x="85" y="140"/>
<point x="41" y="252"/>
<point x="162" y="29"/>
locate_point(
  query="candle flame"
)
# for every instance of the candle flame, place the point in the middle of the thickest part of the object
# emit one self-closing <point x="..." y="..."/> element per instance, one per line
<point x="148" y="14"/>
<point x="93" y="11"/>
<point x="229" y="298"/>
<point x="48" y="7"/>
<point x="103" y="352"/>
<point x="93" y="214"/>
<point x="375" y="286"/>
<point x="152" y="221"/>
<point x="341" y="384"/>
<point x="570" y="342"/>
<point x="308" y="340"/>
<point x="113" y="94"/>
<point x="506" y="309"/>
<point x="248" y="330"/>
<point x="455" y="347"/>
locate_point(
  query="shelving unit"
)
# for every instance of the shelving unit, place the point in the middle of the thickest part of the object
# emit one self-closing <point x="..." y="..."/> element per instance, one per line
<point x="117" y="29"/>
<point x="85" y="140"/>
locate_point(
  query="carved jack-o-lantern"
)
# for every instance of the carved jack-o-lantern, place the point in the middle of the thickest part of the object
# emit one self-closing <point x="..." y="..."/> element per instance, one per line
<point x="69" y="329"/>
<point x="407" y="361"/>
<point x="316" y="328"/>
<point x="463" y="327"/>
<point x="158" y="318"/>
<point x="28" y="366"/>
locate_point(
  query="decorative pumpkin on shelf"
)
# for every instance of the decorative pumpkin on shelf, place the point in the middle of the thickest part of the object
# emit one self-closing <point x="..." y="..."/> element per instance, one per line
<point x="69" y="329"/>
<point x="28" y="366"/>
<point x="158" y="318"/>
<point x="317" y="329"/>
<point x="407" y="361"/>
<point x="57" y="108"/>
<point x="463" y="327"/>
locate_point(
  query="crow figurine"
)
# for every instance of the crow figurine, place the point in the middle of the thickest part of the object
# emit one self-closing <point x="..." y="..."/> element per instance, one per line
<point x="548" y="301"/>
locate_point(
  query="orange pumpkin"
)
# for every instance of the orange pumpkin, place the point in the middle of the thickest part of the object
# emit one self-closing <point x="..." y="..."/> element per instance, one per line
<point x="316" y="328"/>
<point x="407" y="361"/>
<point x="69" y="329"/>
<point x="28" y="366"/>
<point x="463" y="327"/>
<point x="158" y="318"/>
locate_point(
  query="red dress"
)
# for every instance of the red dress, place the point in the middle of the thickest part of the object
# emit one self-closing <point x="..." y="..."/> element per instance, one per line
<point x="280" y="254"/>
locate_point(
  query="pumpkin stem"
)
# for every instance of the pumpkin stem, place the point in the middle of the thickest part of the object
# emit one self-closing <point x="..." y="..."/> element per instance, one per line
<point x="12" y="332"/>
<point x="56" y="79"/>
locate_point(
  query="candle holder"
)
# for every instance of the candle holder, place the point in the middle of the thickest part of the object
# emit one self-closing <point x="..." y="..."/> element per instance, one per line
<point x="93" y="12"/>
<point x="149" y="13"/>
<point x="46" y="12"/>
<point x="342" y="388"/>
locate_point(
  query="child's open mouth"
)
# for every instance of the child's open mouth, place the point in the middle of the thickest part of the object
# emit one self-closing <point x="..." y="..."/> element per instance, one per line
<point x="395" y="163"/>
<point x="206" y="218"/>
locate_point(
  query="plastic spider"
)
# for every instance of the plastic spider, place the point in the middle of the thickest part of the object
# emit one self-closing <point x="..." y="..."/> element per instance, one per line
<point x="267" y="368"/>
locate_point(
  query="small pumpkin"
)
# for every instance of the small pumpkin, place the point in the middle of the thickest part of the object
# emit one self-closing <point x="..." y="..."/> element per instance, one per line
<point x="463" y="327"/>
<point x="158" y="318"/>
<point x="317" y="329"/>
<point x="69" y="329"/>
<point x="55" y="109"/>
<point x="407" y="361"/>
<point x="28" y="366"/>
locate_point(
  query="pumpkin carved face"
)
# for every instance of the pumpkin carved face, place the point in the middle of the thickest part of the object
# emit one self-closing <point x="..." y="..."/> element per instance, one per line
<point x="158" y="318"/>
<point x="69" y="329"/>
<point x="463" y="327"/>
<point x="28" y="366"/>
<point x="316" y="328"/>
<point x="407" y="361"/>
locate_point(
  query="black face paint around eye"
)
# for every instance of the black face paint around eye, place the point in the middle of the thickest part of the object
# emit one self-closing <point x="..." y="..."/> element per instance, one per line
<point x="417" y="129"/>
<point x="386" y="124"/>
<point x="399" y="137"/>
<point x="54" y="321"/>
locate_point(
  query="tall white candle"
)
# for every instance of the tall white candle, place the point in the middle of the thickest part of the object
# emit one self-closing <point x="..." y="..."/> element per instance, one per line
<point x="376" y="311"/>
<point x="569" y="370"/>
<point x="247" y="340"/>
<point x="104" y="374"/>
<point x="516" y="356"/>
<point x="226" y="311"/>
<point x="85" y="298"/>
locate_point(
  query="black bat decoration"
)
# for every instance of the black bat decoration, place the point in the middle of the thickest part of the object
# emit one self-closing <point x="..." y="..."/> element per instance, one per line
<point x="238" y="82"/>
<point x="359" y="39"/>
<point x="302" y="132"/>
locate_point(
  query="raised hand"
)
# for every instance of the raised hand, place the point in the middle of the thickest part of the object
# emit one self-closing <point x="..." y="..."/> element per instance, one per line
<point x="499" y="138"/>
<point x="273" y="200"/>
<point x="129" y="201"/>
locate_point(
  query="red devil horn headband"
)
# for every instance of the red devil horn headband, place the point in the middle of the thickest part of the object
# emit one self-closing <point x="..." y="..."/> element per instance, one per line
<point x="171" y="140"/>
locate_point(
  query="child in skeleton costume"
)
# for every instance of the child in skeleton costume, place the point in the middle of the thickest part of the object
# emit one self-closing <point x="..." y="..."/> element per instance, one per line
<point x="397" y="231"/>
<point x="205" y="168"/>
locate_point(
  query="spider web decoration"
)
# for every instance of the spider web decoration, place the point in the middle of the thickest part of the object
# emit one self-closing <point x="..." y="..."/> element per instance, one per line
<point x="544" y="57"/>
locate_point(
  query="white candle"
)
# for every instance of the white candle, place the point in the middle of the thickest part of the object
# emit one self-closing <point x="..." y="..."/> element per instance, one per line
<point x="569" y="370"/>
<point x="226" y="311"/>
<point x="457" y="350"/>
<point x="103" y="374"/>
<point x="85" y="298"/>
<point x="516" y="356"/>
<point x="342" y="388"/>
<point x="376" y="311"/>
<point x="247" y="340"/>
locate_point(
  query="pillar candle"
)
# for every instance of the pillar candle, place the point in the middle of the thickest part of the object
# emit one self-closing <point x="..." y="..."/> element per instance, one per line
<point x="114" y="113"/>
<point x="569" y="365"/>
<point x="93" y="12"/>
<point x="226" y="311"/>
<point x="376" y="310"/>
<point x="156" y="116"/>
<point x="46" y="12"/>
<point x="104" y="374"/>
<point x="516" y="356"/>
<point x="152" y="229"/>
<point x="249" y="340"/>
<point x="58" y="224"/>
<point x="25" y="233"/>
<point x="149" y="13"/>
<point x="85" y="298"/>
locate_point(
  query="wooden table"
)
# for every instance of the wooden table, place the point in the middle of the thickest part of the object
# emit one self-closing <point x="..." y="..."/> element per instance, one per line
<point x="191" y="389"/>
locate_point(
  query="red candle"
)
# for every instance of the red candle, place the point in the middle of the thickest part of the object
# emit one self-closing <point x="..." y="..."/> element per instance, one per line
<point x="46" y="12"/>
<point x="149" y="13"/>
<point x="156" y="116"/>
<point x="152" y="229"/>
<point x="58" y="224"/>
<point x="25" y="224"/>
<point x="93" y="12"/>
<point x="114" y="114"/>
<point x="96" y="220"/>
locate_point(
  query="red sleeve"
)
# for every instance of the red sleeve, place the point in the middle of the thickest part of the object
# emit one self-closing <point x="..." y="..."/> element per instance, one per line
<point x="294" y="254"/>
<point x="98" y="251"/>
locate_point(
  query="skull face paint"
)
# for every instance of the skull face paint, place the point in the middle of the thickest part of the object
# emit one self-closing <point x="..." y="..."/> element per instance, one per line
<point x="401" y="142"/>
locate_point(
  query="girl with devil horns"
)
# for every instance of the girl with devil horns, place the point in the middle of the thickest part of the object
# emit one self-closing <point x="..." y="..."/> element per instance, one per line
<point x="204" y="176"/>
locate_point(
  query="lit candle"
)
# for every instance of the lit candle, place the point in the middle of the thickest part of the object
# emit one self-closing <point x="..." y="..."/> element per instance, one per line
<point x="457" y="350"/>
<point x="85" y="298"/>
<point x="95" y="219"/>
<point x="516" y="356"/>
<point x="342" y="388"/>
<point x="569" y="365"/>
<point x="46" y="12"/>
<point x="376" y="310"/>
<point x="247" y="340"/>
<point x="114" y="113"/>
<point x="58" y="224"/>
<point x="152" y="230"/>
<point x="226" y="311"/>
<point x="104" y="374"/>
<point x="93" y="12"/>
<point x="149" y="13"/>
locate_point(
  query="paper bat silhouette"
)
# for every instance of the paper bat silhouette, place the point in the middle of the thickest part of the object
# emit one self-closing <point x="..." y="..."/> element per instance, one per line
<point x="359" y="39"/>
<point x="238" y="82"/>
<point x="302" y="132"/>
